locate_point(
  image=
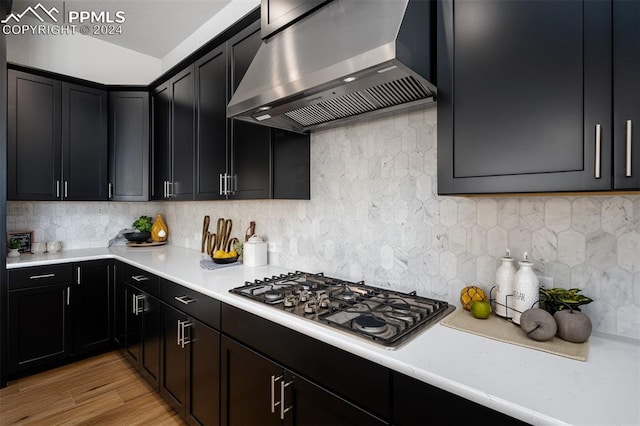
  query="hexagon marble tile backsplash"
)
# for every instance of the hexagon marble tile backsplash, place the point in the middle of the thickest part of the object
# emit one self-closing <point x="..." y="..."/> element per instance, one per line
<point x="374" y="214"/>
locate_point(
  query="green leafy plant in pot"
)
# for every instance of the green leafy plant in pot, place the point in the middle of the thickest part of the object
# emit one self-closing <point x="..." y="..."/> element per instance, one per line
<point x="564" y="305"/>
<point x="143" y="226"/>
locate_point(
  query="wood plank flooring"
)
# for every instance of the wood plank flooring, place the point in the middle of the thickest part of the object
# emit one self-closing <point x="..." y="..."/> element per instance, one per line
<point x="102" y="390"/>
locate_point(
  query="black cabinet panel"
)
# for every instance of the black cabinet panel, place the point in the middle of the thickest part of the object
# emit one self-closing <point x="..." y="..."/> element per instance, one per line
<point x="84" y="143"/>
<point x="129" y="146"/>
<point x="626" y="95"/>
<point x="251" y="161"/>
<point x="519" y="102"/>
<point x="191" y="302"/>
<point x="173" y="384"/>
<point x="34" y="136"/>
<point x="161" y="105"/>
<point x="291" y="165"/>
<point x="92" y="305"/>
<point x="211" y="158"/>
<point x="417" y="403"/>
<point x="38" y="331"/>
<point x="204" y="375"/>
<point x="182" y="135"/>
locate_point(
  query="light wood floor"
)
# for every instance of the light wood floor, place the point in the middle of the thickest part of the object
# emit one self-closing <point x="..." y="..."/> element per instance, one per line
<point x="103" y="390"/>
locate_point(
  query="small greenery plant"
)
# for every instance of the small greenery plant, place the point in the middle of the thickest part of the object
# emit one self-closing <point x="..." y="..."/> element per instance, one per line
<point x="143" y="223"/>
<point x="557" y="299"/>
<point x="13" y="244"/>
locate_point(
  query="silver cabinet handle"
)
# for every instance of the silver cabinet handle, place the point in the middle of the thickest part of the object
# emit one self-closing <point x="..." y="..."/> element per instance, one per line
<point x="170" y="192"/>
<point x="283" y="410"/>
<point x="137" y="298"/>
<point x="134" y="304"/>
<point x="224" y="185"/>
<point x="598" y="143"/>
<point x="274" y="404"/>
<point x="185" y="299"/>
<point x="37" y="277"/>
<point x="139" y="278"/>
<point x="182" y="335"/>
<point x="68" y="296"/>
<point x="78" y="275"/>
<point x="221" y="193"/>
<point x="110" y="191"/>
<point x="57" y="189"/>
<point x="628" y="165"/>
<point x="66" y="189"/>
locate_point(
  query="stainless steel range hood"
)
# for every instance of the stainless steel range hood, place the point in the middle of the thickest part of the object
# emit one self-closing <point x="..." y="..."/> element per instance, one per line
<point x="349" y="59"/>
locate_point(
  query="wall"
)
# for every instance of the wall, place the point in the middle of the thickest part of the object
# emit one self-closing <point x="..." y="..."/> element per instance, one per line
<point x="374" y="215"/>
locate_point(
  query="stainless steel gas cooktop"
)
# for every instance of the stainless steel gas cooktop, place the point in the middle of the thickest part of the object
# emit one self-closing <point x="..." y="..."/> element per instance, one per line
<point x="385" y="317"/>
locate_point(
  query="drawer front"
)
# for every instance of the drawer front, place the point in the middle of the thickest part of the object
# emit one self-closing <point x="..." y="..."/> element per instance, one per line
<point x="40" y="275"/>
<point x="141" y="279"/>
<point x="192" y="303"/>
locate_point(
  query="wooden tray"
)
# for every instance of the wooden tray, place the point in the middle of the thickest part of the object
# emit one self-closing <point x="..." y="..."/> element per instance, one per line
<point x="152" y="244"/>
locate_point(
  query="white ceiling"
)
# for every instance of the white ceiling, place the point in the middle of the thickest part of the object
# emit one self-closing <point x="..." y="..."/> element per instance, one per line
<point x="151" y="27"/>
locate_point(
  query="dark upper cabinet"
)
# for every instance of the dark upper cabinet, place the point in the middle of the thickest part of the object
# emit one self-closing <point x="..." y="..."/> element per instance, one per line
<point x="275" y="15"/>
<point x="173" y="137"/>
<point x="129" y="146"/>
<point x="57" y="134"/>
<point x="34" y="137"/>
<point x="524" y="96"/>
<point x="211" y="119"/>
<point x="84" y="143"/>
<point x="626" y="94"/>
<point x="234" y="159"/>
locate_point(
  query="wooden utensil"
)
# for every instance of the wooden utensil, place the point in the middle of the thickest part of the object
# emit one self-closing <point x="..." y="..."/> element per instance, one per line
<point x="205" y="233"/>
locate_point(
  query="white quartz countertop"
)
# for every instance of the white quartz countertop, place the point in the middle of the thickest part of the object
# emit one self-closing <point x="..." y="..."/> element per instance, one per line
<point x="534" y="386"/>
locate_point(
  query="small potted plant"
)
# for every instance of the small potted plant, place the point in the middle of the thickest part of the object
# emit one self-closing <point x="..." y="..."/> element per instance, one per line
<point x="564" y="304"/>
<point x="143" y="226"/>
<point x="13" y="246"/>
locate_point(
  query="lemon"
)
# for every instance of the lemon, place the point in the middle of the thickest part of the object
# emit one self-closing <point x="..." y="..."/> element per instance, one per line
<point x="480" y="309"/>
<point x="219" y="254"/>
<point x="233" y="253"/>
<point x="469" y="294"/>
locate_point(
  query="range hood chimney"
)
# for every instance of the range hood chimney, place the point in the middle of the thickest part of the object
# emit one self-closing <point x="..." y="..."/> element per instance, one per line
<point x="348" y="59"/>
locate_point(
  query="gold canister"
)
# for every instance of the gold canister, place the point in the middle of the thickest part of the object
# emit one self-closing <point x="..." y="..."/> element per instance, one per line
<point x="159" y="230"/>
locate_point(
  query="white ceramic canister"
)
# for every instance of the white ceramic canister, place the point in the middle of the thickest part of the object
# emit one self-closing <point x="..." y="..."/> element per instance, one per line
<point x="254" y="252"/>
<point x="526" y="288"/>
<point x="504" y="286"/>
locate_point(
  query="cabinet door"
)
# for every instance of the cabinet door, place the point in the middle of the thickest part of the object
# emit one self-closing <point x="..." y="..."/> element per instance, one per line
<point x="173" y="386"/>
<point x="291" y="165"/>
<point x="204" y="375"/>
<point x="182" y="135"/>
<point x="92" y="306"/>
<point x="132" y="325"/>
<point x="119" y="309"/>
<point x="211" y="140"/>
<point x="249" y="387"/>
<point x="316" y="406"/>
<point x="250" y="143"/>
<point x="38" y="328"/>
<point x="626" y="86"/>
<point x="84" y="143"/>
<point x="34" y="137"/>
<point x="161" y="104"/>
<point x="151" y="338"/>
<point x="129" y="146"/>
<point x="524" y="107"/>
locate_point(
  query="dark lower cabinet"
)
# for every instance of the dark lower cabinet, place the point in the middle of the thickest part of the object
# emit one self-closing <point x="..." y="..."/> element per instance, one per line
<point x="58" y="312"/>
<point x="143" y="333"/>
<point x="92" y="301"/>
<point x="190" y="378"/>
<point x="257" y="391"/>
<point x="38" y="328"/>
<point x="418" y="403"/>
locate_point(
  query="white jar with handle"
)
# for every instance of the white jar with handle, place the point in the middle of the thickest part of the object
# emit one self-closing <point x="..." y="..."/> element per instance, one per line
<point x="526" y="288"/>
<point x="504" y="286"/>
<point x="254" y="251"/>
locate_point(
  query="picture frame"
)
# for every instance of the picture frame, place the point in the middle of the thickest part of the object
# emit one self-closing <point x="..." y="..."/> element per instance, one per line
<point x="24" y="237"/>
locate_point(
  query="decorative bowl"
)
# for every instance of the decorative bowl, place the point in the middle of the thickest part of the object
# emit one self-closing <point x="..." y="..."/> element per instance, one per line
<point x="138" y="237"/>
<point x="224" y="260"/>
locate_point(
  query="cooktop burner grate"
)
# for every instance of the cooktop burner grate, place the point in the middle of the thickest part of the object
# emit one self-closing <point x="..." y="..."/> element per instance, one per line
<point x="382" y="316"/>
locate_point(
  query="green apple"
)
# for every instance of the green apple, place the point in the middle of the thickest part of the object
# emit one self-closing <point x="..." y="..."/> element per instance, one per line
<point x="481" y="309"/>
